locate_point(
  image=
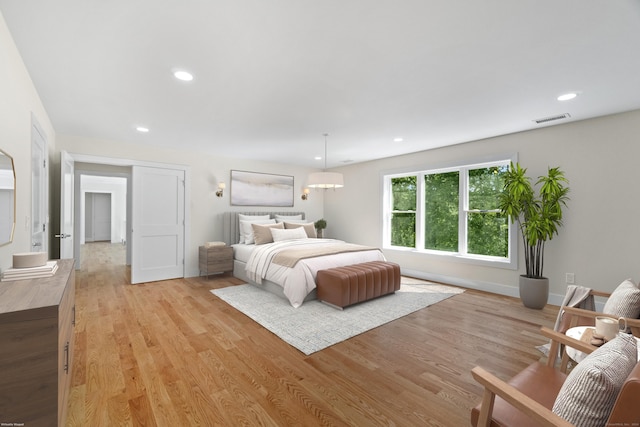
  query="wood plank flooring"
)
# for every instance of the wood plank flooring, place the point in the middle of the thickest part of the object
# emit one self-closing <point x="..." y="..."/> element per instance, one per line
<point x="172" y="354"/>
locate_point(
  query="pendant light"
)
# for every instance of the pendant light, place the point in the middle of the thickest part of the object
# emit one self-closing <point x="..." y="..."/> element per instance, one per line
<point x="325" y="179"/>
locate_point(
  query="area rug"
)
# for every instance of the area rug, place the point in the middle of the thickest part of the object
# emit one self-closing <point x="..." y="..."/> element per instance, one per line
<point x="315" y="326"/>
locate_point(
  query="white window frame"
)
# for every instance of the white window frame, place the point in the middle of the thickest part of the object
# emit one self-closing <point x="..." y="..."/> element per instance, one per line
<point x="509" y="262"/>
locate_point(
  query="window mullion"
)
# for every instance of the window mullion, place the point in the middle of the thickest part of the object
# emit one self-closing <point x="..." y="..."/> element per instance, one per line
<point x="463" y="210"/>
<point x="420" y="201"/>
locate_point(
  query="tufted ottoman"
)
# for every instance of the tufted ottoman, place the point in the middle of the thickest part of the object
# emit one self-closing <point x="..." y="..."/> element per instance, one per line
<point x="344" y="286"/>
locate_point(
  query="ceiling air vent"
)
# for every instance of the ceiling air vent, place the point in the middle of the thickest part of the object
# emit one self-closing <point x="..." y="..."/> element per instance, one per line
<point x="552" y="118"/>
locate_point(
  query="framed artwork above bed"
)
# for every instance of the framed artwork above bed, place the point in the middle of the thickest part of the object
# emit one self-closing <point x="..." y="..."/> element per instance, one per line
<point x="261" y="189"/>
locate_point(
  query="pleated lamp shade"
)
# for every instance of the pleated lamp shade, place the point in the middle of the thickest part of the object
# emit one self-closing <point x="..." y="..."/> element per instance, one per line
<point x="325" y="180"/>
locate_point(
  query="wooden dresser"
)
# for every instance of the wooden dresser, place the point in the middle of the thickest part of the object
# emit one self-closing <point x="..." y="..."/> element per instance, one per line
<point x="36" y="348"/>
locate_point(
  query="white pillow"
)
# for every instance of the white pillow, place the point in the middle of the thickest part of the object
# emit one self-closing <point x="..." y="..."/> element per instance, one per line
<point x="308" y="227"/>
<point x="246" y="232"/>
<point x="290" y="234"/>
<point x="288" y="217"/>
<point x="291" y="220"/>
<point x="243" y="217"/>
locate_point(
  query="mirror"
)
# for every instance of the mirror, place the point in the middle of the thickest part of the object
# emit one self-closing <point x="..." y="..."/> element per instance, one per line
<point x="7" y="198"/>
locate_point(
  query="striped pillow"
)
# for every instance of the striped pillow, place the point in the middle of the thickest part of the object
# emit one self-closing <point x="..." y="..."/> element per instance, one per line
<point x="590" y="390"/>
<point x="624" y="301"/>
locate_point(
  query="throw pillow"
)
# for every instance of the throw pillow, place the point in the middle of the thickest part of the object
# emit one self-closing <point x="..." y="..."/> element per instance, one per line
<point x="588" y="394"/>
<point x="291" y="234"/>
<point x="262" y="233"/>
<point x="246" y="231"/>
<point x="309" y="228"/>
<point x="624" y="301"/>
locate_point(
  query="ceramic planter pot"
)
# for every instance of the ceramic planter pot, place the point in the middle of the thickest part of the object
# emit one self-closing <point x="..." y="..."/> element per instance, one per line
<point x="534" y="293"/>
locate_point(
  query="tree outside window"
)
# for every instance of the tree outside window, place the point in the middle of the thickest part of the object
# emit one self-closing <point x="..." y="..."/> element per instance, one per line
<point x="457" y="210"/>
<point x="403" y="211"/>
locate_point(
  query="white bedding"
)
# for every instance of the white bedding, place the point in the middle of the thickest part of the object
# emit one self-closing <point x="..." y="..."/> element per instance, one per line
<point x="299" y="280"/>
<point x="242" y="252"/>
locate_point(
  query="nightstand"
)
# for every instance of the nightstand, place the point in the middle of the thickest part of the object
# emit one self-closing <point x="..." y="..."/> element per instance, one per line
<point x="216" y="259"/>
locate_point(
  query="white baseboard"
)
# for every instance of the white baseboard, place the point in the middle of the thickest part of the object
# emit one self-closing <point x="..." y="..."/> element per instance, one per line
<point x="495" y="288"/>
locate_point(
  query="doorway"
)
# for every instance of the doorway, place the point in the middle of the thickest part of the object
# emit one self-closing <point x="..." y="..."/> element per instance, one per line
<point x="97" y="218"/>
<point x="146" y="260"/>
<point x="102" y="211"/>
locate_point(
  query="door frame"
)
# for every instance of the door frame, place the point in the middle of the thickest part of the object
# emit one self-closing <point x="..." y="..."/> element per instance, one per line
<point x="113" y="161"/>
<point x="93" y="198"/>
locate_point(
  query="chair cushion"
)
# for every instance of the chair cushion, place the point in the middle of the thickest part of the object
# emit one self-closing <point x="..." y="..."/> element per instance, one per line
<point x="538" y="381"/>
<point x="624" y="301"/>
<point x="590" y="390"/>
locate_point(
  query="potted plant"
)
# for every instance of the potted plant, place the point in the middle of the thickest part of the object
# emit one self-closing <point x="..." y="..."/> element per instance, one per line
<point x="320" y="225"/>
<point x="539" y="216"/>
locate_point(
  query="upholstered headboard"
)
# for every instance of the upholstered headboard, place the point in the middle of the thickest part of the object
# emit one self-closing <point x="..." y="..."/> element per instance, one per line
<point x="232" y="226"/>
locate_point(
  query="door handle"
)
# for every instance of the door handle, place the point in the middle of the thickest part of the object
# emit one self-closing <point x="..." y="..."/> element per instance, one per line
<point x="63" y="236"/>
<point x="36" y="244"/>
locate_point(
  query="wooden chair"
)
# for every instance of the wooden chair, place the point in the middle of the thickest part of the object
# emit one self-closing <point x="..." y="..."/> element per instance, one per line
<point x="575" y="319"/>
<point x="527" y="399"/>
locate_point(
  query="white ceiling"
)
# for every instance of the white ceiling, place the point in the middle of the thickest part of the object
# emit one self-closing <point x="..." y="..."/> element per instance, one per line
<point x="272" y="76"/>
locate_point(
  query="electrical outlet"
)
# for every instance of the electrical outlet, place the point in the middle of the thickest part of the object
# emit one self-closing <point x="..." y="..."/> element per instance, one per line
<point x="570" y="278"/>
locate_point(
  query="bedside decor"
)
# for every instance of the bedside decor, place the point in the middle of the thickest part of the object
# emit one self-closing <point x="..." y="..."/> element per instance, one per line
<point x="261" y="189"/>
<point x="320" y="225"/>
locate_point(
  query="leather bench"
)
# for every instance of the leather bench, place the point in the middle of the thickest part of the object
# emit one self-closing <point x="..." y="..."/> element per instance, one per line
<point x="348" y="285"/>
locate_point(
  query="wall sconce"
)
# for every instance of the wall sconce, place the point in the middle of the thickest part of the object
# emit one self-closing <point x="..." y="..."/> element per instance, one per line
<point x="221" y="187"/>
<point x="305" y="194"/>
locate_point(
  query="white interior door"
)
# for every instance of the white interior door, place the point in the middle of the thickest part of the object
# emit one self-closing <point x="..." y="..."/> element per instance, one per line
<point x="67" y="166"/>
<point x="157" y="236"/>
<point x="39" y="191"/>
<point x="98" y="216"/>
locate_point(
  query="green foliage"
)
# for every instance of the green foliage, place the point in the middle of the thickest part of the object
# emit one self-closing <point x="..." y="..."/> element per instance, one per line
<point x="403" y="220"/>
<point x="441" y="211"/>
<point x="539" y="216"/>
<point x="320" y="224"/>
<point x="403" y="229"/>
<point x="487" y="231"/>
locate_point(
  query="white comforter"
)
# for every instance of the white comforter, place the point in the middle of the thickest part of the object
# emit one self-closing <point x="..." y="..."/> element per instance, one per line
<point x="299" y="280"/>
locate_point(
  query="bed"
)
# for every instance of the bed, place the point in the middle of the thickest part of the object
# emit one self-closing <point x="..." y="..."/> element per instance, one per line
<point x="271" y="266"/>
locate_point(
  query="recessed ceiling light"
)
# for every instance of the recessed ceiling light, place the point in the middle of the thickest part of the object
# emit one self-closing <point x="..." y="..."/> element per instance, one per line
<point x="567" y="96"/>
<point x="142" y="129"/>
<point x="185" y="76"/>
<point x="317" y="158"/>
<point x="398" y="139"/>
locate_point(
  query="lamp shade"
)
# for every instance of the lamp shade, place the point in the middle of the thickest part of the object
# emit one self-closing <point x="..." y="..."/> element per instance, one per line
<point x="325" y="180"/>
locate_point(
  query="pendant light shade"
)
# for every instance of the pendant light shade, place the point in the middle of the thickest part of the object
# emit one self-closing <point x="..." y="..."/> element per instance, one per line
<point x="325" y="179"/>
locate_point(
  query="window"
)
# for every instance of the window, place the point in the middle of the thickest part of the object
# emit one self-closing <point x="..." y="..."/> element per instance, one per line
<point x="403" y="211"/>
<point x="452" y="211"/>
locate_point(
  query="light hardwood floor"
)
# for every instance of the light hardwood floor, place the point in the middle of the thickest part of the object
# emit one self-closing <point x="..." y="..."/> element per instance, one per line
<point x="171" y="354"/>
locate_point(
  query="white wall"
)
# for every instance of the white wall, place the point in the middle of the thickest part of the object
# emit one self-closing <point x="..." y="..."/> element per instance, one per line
<point x="599" y="240"/>
<point x="205" y="171"/>
<point x="18" y="100"/>
<point x="117" y="187"/>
